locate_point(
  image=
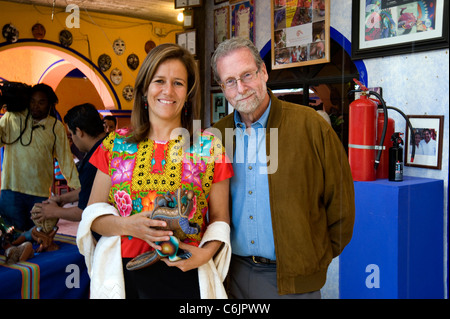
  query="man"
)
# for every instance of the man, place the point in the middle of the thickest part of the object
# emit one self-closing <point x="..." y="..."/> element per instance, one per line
<point x="86" y="128"/>
<point x="110" y="123"/>
<point x="428" y="145"/>
<point x="288" y="220"/>
<point x="32" y="139"/>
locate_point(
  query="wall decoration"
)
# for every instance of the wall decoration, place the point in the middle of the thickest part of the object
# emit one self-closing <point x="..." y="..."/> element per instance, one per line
<point x="119" y="46"/>
<point x="38" y="31"/>
<point x="116" y="76"/>
<point x="398" y="27"/>
<point x="221" y="25"/>
<point x="428" y="136"/>
<point x="104" y="62"/>
<point x="187" y="40"/>
<point x="149" y="45"/>
<point x="181" y="4"/>
<point x="219" y="106"/>
<point x="65" y="38"/>
<point x="10" y="33"/>
<point x="128" y="92"/>
<point x="300" y="33"/>
<point x="243" y="20"/>
<point x="188" y="21"/>
<point x="133" y="61"/>
<point x="219" y="1"/>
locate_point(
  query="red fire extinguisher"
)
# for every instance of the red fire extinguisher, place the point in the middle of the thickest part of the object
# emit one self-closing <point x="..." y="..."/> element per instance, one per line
<point x="366" y="139"/>
<point x="362" y="138"/>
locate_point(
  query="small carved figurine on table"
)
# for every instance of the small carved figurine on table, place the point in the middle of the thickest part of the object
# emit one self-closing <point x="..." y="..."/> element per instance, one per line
<point x="44" y="232"/>
<point x="176" y="209"/>
<point x="14" y="253"/>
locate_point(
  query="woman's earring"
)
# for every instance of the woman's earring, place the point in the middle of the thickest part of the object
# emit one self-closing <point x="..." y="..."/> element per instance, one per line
<point x="144" y="100"/>
<point x="185" y="109"/>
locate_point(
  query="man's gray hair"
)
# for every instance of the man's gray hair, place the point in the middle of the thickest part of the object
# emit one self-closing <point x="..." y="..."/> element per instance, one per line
<point x="230" y="45"/>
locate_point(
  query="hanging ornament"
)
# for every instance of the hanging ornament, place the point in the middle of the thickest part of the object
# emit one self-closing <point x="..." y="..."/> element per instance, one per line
<point x="10" y="33"/>
<point x="133" y="61"/>
<point x="128" y="92"/>
<point x="119" y="46"/>
<point x="149" y="45"/>
<point x="104" y="62"/>
<point x="116" y="76"/>
<point x="38" y="31"/>
<point x="65" y="38"/>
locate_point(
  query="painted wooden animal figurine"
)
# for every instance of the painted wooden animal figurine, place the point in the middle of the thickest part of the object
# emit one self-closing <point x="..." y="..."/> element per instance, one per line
<point x="44" y="232"/>
<point x="176" y="210"/>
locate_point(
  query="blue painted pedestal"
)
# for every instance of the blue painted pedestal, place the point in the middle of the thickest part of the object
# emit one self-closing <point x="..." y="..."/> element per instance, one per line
<point x="397" y="246"/>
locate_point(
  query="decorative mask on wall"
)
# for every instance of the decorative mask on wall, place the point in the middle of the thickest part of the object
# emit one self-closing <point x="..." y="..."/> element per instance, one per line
<point x="149" y="45"/>
<point x="38" y="31"/>
<point x="119" y="46"/>
<point x="116" y="76"/>
<point x="104" y="62"/>
<point x="127" y="92"/>
<point x="133" y="61"/>
<point x="65" y="38"/>
<point x="10" y="33"/>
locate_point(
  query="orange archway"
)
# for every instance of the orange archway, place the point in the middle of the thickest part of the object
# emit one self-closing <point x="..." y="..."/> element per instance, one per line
<point x="35" y="62"/>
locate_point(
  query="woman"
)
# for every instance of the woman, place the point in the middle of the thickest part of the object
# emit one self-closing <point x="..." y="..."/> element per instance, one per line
<point x="135" y="166"/>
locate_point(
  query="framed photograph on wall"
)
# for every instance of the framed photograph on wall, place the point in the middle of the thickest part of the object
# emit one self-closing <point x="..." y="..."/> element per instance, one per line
<point x="243" y="20"/>
<point x="181" y="4"/>
<point x="188" y="21"/>
<point x="398" y="27"/>
<point x="300" y="33"/>
<point x="219" y="106"/>
<point x="428" y="136"/>
<point x="221" y="25"/>
<point x="187" y="40"/>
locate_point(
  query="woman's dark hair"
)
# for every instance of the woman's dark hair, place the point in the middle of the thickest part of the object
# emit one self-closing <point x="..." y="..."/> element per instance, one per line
<point x="86" y="118"/>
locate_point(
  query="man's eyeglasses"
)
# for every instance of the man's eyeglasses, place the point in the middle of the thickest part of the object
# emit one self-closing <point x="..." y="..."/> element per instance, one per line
<point x="231" y="83"/>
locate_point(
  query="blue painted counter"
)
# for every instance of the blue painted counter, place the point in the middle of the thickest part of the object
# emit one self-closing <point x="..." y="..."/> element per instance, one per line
<point x="397" y="246"/>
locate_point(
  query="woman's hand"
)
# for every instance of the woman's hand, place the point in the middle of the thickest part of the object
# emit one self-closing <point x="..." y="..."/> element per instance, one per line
<point x="138" y="225"/>
<point x="200" y="256"/>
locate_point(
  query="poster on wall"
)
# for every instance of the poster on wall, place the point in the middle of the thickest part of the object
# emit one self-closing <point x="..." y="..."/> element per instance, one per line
<point x="389" y="27"/>
<point x="300" y="32"/>
<point x="243" y="20"/>
<point x="221" y="25"/>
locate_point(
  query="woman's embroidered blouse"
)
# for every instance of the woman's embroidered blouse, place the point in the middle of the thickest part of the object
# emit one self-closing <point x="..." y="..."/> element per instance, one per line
<point x="140" y="172"/>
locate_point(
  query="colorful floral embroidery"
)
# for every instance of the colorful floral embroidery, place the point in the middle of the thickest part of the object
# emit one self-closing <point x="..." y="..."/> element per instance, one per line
<point x="123" y="203"/>
<point x="141" y="172"/>
<point x="124" y="170"/>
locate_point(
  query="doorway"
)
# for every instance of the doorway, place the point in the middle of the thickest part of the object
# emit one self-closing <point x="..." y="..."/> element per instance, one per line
<point x="72" y="76"/>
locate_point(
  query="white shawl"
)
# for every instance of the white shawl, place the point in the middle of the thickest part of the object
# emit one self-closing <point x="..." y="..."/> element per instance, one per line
<point x="104" y="260"/>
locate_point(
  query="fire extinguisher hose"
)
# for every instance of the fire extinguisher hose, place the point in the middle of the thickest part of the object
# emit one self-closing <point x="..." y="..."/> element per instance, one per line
<point x="383" y="134"/>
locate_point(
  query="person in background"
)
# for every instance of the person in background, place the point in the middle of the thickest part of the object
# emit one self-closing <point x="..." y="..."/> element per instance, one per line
<point x="110" y="123"/>
<point x="32" y="139"/>
<point x="428" y="144"/>
<point x="86" y="129"/>
<point x="156" y="158"/>
<point x="288" y="221"/>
